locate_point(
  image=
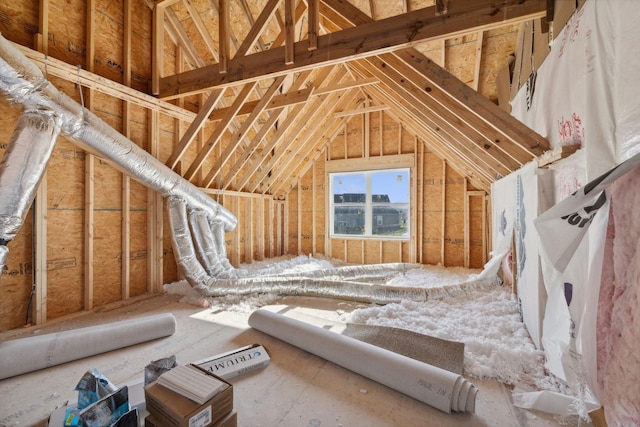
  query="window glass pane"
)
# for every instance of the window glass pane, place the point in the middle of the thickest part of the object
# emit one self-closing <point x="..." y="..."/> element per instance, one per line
<point x="391" y="221"/>
<point x="390" y="186"/>
<point x="349" y="188"/>
<point x="348" y="220"/>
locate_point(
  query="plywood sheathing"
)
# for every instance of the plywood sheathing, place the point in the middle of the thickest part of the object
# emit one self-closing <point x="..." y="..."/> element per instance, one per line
<point x="295" y="161"/>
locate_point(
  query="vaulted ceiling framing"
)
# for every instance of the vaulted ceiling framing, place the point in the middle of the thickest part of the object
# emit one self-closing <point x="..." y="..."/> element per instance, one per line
<point x="273" y="80"/>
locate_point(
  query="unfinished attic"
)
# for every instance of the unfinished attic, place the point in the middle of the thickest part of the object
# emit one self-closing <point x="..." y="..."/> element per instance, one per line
<point x="416" y="209"/>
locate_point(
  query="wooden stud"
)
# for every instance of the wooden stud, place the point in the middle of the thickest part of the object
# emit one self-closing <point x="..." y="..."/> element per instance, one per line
<point x="153" y="276"/>
<point x="290" y="31"/>
<point x="313" y="24"/>
<point x="223" y="36"/>
<point x="444" y="212"/>
<point x="466" y="225"/>
<point x="478" y="61"/>
<point x="126" y="181"/>
<point x="219" y="130"/>
<point x="70" y="73"/>
<point x="89" y="169"/>
<point x="157" y="48"/>
<point x="249" y="236"/>
<point x="40" y="202"/>
<point x="40" y="253"/>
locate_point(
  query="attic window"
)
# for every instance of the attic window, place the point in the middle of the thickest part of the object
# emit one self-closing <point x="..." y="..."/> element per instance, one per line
<point x="370" y="204"/>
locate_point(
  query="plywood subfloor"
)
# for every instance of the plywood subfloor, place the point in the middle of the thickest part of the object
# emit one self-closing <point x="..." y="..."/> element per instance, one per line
<point x="296" y="389"/>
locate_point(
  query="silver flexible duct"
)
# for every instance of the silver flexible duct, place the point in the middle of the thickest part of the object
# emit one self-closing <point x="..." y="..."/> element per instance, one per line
<point x="341" y="289"/>
<point x="23" y="83"/>
<point x="184" y="248"/>
<point x="21" y="170"/>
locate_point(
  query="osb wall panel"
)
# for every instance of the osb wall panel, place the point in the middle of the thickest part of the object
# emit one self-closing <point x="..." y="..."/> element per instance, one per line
<point x="390" y="136"/>
<point x="108" y="58"/>
<point x="454" y="219"/>
<point x="67" y="37"/>
<point x="19" y="21"/>
<point x="432" y="208"/>
<point x="476" y="205"/>
<point x="17" y="275"/>
<point x="337" y="147"/>
<point x="138" y="256"/>
<point x="107" y="245"/>
<point x="354" y="137"/>
<point x="291" y="237"/>
<point x="372" y="252"/>
<point x="354" y="251"/>
<point x="432" y="187"/>
<point x="319" y="194"/>
<point x="140" y="46"/>
<point x="306" y="211"/>
<point x="65" y="260"/>
<point x="375" y="134"/>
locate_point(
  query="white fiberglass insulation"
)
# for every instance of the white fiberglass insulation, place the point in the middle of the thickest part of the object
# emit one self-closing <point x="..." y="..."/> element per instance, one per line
<point x="485" y="319"/>
<point x="618" y="329"/>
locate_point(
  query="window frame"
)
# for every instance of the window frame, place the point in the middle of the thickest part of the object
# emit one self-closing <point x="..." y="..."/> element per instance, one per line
<point x="400" y="163"/>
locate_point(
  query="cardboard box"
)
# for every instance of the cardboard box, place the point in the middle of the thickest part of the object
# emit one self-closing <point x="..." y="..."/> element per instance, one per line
<point x="236" y="362"/>
<point x="171" y="409"/>
<point x="231" y="420"/>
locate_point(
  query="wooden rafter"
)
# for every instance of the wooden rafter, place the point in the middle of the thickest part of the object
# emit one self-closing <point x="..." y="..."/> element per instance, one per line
<point x="219" y="130"/>
<point x="367" y="39"/>
<point x="251" y="170"/>
<point x="246" y="155"/>
<point x="240" y="134"/>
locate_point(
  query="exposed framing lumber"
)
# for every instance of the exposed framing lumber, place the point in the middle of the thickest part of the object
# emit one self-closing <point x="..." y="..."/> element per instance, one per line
<point x="258" y="27"/>
<point x="308" y="141"/>
<point x="40" y="203"/>
<point x="223" y="36"/>
<point x="478" y="61"/>
<point x="450" y="136"/>
<point x="240" y="134"/>
<point x="289" y="31"/>
<point x="313" y="30"/>
<point x="89" y="194"/>
<point x="219" y="130"/>
<point x="195" y="126"/>
<point x="293" y="124"/>
<point x="292" y="97"/>
<point x="126" y="181"/>
<point x="202" y="29"/>
<point x="57" y="68"/>
<point x="367" y="39"/>
<point x="365" y="110"/>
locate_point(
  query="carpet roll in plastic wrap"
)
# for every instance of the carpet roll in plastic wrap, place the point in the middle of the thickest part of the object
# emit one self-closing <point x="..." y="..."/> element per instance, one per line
<point x="434" y="386"/>
<point x="30" y="354"/>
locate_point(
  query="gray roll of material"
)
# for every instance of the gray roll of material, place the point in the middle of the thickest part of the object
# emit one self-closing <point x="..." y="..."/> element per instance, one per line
<point x="434" y="386"/>
<point x="24" y="355"/>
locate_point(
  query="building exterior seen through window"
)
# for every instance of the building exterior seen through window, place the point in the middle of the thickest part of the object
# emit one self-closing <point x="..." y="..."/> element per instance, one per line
<point x="370" y="203"/>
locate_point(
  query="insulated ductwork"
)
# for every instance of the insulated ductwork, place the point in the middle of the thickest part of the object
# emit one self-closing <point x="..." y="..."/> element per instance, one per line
<point x="21" y="170"/>
<point x="23" y="83"/>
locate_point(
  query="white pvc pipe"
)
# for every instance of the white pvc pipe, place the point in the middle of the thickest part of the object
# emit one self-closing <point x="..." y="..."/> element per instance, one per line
<point x="24" y="355"/>
<point x="434" y="386"/>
